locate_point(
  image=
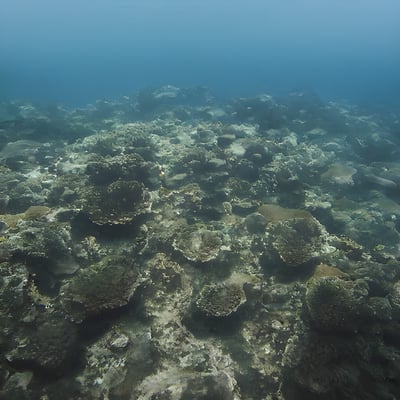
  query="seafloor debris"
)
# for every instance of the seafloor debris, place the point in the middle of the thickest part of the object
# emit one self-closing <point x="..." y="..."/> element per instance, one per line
<point x="167" y="246"/>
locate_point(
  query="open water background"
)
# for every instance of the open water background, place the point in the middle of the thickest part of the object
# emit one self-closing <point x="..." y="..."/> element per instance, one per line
<point x="77" y="51"/>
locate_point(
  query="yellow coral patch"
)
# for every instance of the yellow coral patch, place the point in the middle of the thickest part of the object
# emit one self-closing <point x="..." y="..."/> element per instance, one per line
<point x="35" y="212"/>
<point x="275" y="213"/>
<point x="323" y="270"/>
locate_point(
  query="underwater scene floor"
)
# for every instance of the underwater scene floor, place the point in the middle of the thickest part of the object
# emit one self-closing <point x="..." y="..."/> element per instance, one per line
<point x="172" y="246"/>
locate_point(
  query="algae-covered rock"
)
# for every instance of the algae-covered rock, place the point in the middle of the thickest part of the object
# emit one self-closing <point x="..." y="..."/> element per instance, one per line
<point x="220" y="300"/>
<point x="216" y="385"/>
<point x="13" y="283"/>
<point x="353" y="250"/>
<point x="174" y="383"/>
<point x="16" y="386"/>
<point x="106" y="285"/>
<point x="324" y="366"/>
<point x="255" y="223"/>
<point x="258" y="154"/>
<point x="167" y="287"/>
<point x="378" y="309"/>
<point x="19" y="154"/>
<point x="334" y="304"/>
<point x="47" y="343"/>
<point x="46" y="247"/>
<point x="116" y="361"/>
<point x="394" y="298"/>
<point x="339" y="174"/>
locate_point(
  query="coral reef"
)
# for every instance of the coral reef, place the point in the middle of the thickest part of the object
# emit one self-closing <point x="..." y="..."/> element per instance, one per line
<point x="169" y="246"/>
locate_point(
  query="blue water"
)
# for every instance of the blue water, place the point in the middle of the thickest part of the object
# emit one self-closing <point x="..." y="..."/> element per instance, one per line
<point x="77" y="51"/>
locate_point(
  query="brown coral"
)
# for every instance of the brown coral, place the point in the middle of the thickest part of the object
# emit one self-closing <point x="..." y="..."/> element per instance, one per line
<point x="296" y="241"/>
<point x="220" y="300"/>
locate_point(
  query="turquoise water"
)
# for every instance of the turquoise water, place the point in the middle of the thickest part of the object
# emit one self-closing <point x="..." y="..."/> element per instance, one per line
<point x="77" y="51"/>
